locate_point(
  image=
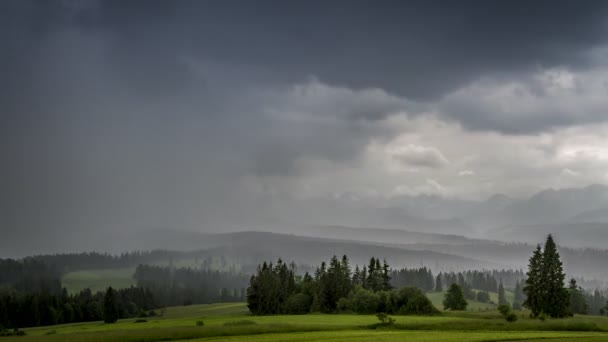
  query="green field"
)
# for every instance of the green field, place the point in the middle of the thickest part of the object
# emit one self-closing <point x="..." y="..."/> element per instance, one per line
<point x="437" y="299"/>
<point x="231" y="322"/>
<point x="98" y="280"/>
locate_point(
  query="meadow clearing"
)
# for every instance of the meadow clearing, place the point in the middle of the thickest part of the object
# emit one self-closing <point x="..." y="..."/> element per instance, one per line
<point x="232" y="322"/>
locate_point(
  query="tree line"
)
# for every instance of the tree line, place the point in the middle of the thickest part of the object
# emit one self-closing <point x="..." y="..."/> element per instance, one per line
<point x="20" y="310"/>
<point x="29" y="275"/>
<point x="173" y="286"/>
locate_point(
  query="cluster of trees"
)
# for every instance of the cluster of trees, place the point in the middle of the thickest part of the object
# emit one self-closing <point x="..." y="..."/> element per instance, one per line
<point x="276" y="289"/>
<point x="19" y="310"/>
<point x="544" y="289"/>
<point x="597" y="302"/>
<point x="184" y="286"/>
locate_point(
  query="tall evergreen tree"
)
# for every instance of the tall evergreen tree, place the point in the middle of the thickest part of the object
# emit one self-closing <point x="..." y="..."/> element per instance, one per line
<point x="502" y="299"/>
<point x="519" y="296"/>
<point x="438" y="284"/>
<point x="110" y="307"/>
<point x="356" y="280"/>
<point x="533" y="290"/>
<point x="555" y="296"/>
<point x="386" y="278"/>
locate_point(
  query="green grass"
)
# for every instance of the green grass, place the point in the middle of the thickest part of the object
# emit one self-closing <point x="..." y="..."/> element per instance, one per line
<point x="231" y="322"/>
<point x="98" y="280"/>
<point x="437" y="299"/>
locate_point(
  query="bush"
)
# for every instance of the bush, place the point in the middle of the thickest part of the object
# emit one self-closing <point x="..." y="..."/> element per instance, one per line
<point x="385" y="319"/>
<point x="516" y="305"/>
<point x="504" y="309"/>
<point x="412" y="301"/>
<point x="418" y="305"/>
<point x="542" y="316"/>
<point x="483" y="297"/>
<point x="15" y="332"/>
<point x="200" y="323"/>
<point x="454" y="299"/>
<point x="511" y="317"/>
<point x="298" y="304"/>
<point x="140" y="320"/>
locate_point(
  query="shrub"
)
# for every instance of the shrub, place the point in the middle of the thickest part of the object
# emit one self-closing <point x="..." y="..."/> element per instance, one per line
<point x="483" y="296"/>
<point x="504" y="309"/>
<point x="419" y="305"/>
<point x="454" y="299"/>
<point x="542" y="316"/>
<point x="15" y="332"/>
<point x="412" y="301"/>
<point x="200" y="323"/>
<point x="140" y="320"/>
<point x="385" y="319"/>
<point x="511" y="317"/>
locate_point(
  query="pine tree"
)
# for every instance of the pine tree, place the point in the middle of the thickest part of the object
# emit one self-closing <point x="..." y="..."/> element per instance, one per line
<point x="555" y="296"/>
<point x="386" y="278"/>
<point x="532" y="290"/>
<point x="356" y="280"/>
<point x="371" y="275"/>
<point x="502" y="299"/>
<point x="454" y="299"/>
<point x="110" y="307"/>
<point x="519" y="296"/>
<point x="438" y="284"/>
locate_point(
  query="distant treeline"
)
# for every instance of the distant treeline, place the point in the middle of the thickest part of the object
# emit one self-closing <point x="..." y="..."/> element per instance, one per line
<point x="93" y="260"/>
<point x="29" y="275"/>
<point x="184" y="286"/>
<point x="20" y="310"/>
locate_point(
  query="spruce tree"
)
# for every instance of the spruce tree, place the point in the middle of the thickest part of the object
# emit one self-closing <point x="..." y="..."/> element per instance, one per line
<point x="110" y="306"/>
<point x="386" y="278"/>
<point x="502" y="299"/>
<point x="438" y="284"/>
<point x="533" y="290"/>
<point x="519" y="296"/>
<point x="555" y="296"/>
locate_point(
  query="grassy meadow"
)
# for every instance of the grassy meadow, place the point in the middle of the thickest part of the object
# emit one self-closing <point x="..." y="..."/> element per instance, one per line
<point x="98" y="280"/>
<point x="232" y="322"/>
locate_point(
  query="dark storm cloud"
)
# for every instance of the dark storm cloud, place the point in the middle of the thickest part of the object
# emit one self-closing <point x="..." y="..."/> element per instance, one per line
<point x="121" y="114"/>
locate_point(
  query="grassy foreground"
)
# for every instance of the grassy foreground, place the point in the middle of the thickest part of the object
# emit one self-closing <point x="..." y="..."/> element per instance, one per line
<point x="231" y="322"/>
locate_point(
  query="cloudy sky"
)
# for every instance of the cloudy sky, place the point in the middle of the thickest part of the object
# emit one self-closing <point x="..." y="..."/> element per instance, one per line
<point x="185" y="113"/>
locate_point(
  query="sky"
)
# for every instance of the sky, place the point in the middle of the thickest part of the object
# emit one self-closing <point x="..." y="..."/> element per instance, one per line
<point x="184" y="114"/>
